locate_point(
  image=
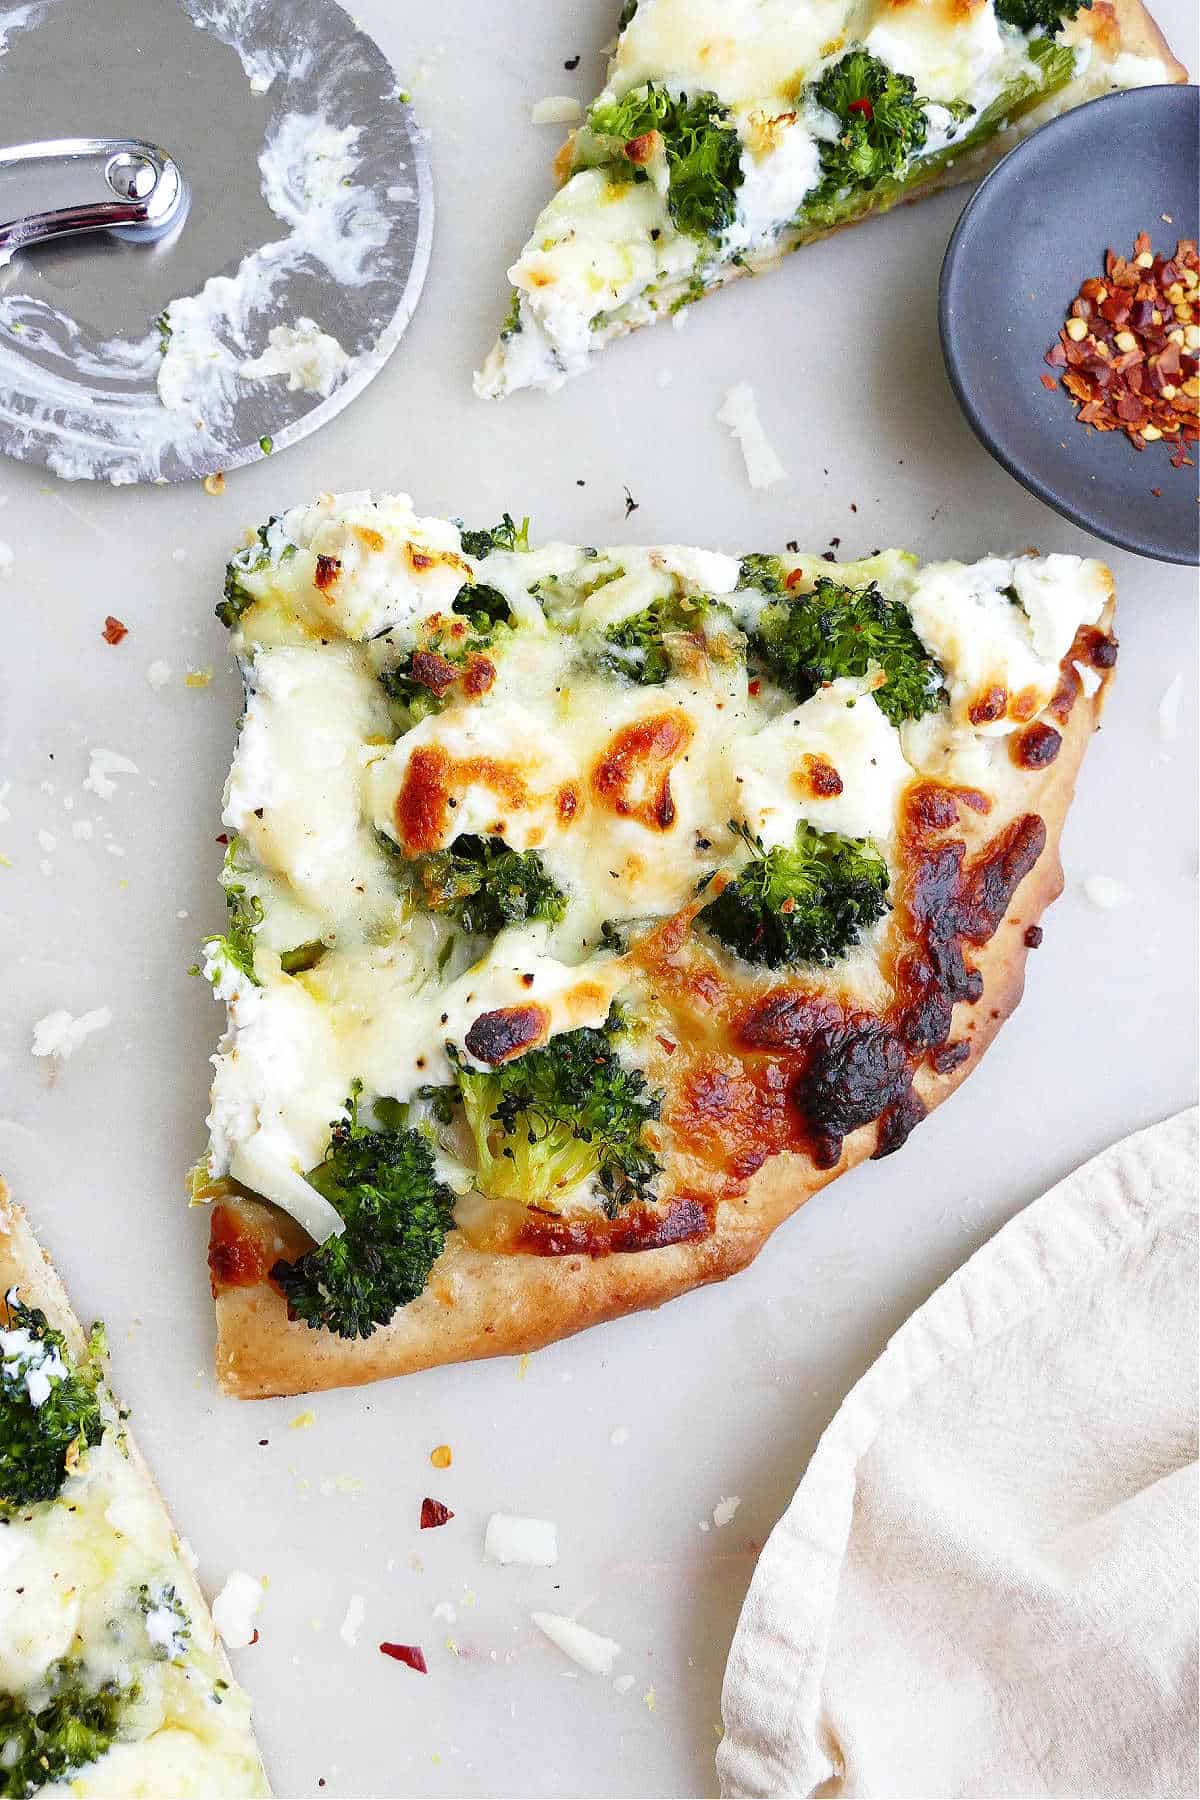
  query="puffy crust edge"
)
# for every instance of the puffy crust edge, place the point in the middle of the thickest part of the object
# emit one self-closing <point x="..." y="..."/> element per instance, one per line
<point x="480" y="1304"/>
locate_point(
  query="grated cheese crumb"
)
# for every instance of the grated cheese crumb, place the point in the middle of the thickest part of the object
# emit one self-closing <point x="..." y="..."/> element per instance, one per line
<point x="620" y="1436"/>
<point x="724" y="1510"/>
<point x="740" y="412"/>
<point x="623" y="1683"/>
<point x="6" y="560"/>
<point x="556" y="109"/>
<point x="60" y="1035"/>
<point x="102" y="766"/>
<point x="159" y="673"/>
<point x="236" y="1607"/>
<point x="197" y="678"/>
<point x="302" y="1420"/>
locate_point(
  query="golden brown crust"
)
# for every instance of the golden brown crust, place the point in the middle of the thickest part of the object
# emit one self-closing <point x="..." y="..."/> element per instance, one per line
<point x="27" y="1267"/>
<point x="483" y="1304"/>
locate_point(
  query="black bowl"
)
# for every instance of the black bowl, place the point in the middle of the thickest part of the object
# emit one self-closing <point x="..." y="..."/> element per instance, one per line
<point x="1037" y="227"/>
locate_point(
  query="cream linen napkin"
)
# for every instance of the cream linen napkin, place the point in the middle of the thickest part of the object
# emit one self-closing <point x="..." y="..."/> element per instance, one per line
<point x="986" y="1582"/>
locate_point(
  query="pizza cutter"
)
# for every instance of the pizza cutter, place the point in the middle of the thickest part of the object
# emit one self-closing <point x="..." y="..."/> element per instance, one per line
<point x="215" y="223"/>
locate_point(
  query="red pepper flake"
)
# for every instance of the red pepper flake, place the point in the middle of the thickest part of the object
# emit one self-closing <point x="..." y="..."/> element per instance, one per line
<point x="222" y="837"/>
<point x="1131" y="348"/>
<point x="433" y="1514"/>
<point x="1048" y="382"/>
<point x="862" y="106"/>
<point x="755" y="687"/>
<point x="794" y="579"/>
<point x="114" y="631"/>
<point x="412" y="1654"/>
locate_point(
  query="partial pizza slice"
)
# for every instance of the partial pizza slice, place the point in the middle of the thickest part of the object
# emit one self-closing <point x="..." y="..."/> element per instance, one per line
<point x="112" y="1681"/>
<point x="730" y="132"/>
<point x="589" y="909"/>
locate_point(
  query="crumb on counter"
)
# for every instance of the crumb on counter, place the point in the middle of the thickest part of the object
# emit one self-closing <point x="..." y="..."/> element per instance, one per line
<point x="739" y="411"/>
<point x="60" y="1035"/>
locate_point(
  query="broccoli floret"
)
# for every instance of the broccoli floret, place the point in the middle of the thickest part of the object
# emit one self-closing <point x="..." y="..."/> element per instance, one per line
<point x="807" y="902"/>
<point x="1046" y="17"/>
<point x="704" y="159"/>
<point x="424" y="680"/>
<point x="567" y="1113"/>
<point x="882" y="120"/>
<point x="485" y="606"/>
<point x="73" y="1725"/>
<point x="255" y="559"/>
<point x="766" y="573"/>
<point x="236" y="943"/>
<point x="806" y="640"/>
<point x="396" y="1213"/>
<point x="507" y="535"/>
<point x="49" y="1406"/>
<point x="483" y="885"/>
<point x="639" y="647"/>
<point x="512" y="319"/>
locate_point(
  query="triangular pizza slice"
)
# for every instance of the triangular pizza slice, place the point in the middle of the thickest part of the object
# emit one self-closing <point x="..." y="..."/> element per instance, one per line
<point x="112" y="1681"/>
<point x="730" y="132"/>
<point x="589" y="909"/>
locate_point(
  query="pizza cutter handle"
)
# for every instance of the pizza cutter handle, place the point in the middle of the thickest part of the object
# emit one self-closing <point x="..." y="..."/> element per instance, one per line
<point x="67" y="185"/>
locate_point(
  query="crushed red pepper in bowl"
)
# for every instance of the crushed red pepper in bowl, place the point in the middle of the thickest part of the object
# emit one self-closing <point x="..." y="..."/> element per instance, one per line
<point x="1130" y="348"/>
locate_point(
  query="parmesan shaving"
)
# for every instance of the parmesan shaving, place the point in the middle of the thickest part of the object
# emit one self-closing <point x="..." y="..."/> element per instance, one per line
<point x="740" y="413"/>
<point x="724" y="1510"/>
<point x="1168" y="711"/>
<point x="102" y="766"/>
<point x="533" y="1543"/>
<point x="592" y="1652"/>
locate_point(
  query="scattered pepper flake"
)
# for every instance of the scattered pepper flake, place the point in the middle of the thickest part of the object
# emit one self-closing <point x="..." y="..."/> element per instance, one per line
<point x="631" y="505"/>
<point x="114" y="630"/>
<point x="412" y="1654"/>
<point x="433" y="1514"/>
<point x="441" y="1457"/>
<point x="1130" y="348"/>
<point x="214" y="484"/>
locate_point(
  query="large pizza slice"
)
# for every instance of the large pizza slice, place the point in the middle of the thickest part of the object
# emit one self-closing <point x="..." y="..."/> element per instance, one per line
<point x="730" y="132"/>
<point x="112" y="1681"/>
<point x="590" y="909"/>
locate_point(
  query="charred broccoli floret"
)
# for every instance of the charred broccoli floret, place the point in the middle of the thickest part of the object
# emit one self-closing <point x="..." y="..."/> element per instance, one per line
<point x="1044" y="16"/>
<point x="806" y="640"/>
<point x="646" y="647"/>
<point x="805" y="902"/>
<point x="507" y="535"/>
<point x="49" y="1406"/>
<point x="567" y="1113"/>
<point x="483" y="885"/>
<point x="396" y="1213"/>
<point x="703" y="150"/>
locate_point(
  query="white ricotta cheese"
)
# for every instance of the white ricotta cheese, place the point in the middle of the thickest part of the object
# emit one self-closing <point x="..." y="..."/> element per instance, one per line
<point x="312" y="360"/>
<point x="59" y="1034"/>
<point x="236" y="1607"/>
<point x="783" y="771"/>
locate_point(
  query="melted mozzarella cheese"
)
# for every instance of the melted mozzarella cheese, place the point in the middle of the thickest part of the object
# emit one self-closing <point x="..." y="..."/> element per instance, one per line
<point x="393" y="568"/>
<point x="1002" y="661"/>
<point x="740" y="50"/>
<point x="951" y="50"/>
<point x="293" y="793"/>
<point x="784" y="770"/>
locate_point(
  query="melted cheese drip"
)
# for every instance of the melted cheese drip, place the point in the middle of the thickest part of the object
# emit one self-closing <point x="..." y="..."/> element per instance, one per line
<point x="741" y="50"/>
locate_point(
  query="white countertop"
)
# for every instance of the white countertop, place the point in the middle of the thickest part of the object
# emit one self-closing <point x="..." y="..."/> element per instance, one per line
<point x="726" y="1392"/>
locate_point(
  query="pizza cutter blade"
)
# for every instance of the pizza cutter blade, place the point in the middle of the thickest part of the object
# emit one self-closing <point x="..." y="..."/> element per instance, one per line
<point x="215" y="223"/>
